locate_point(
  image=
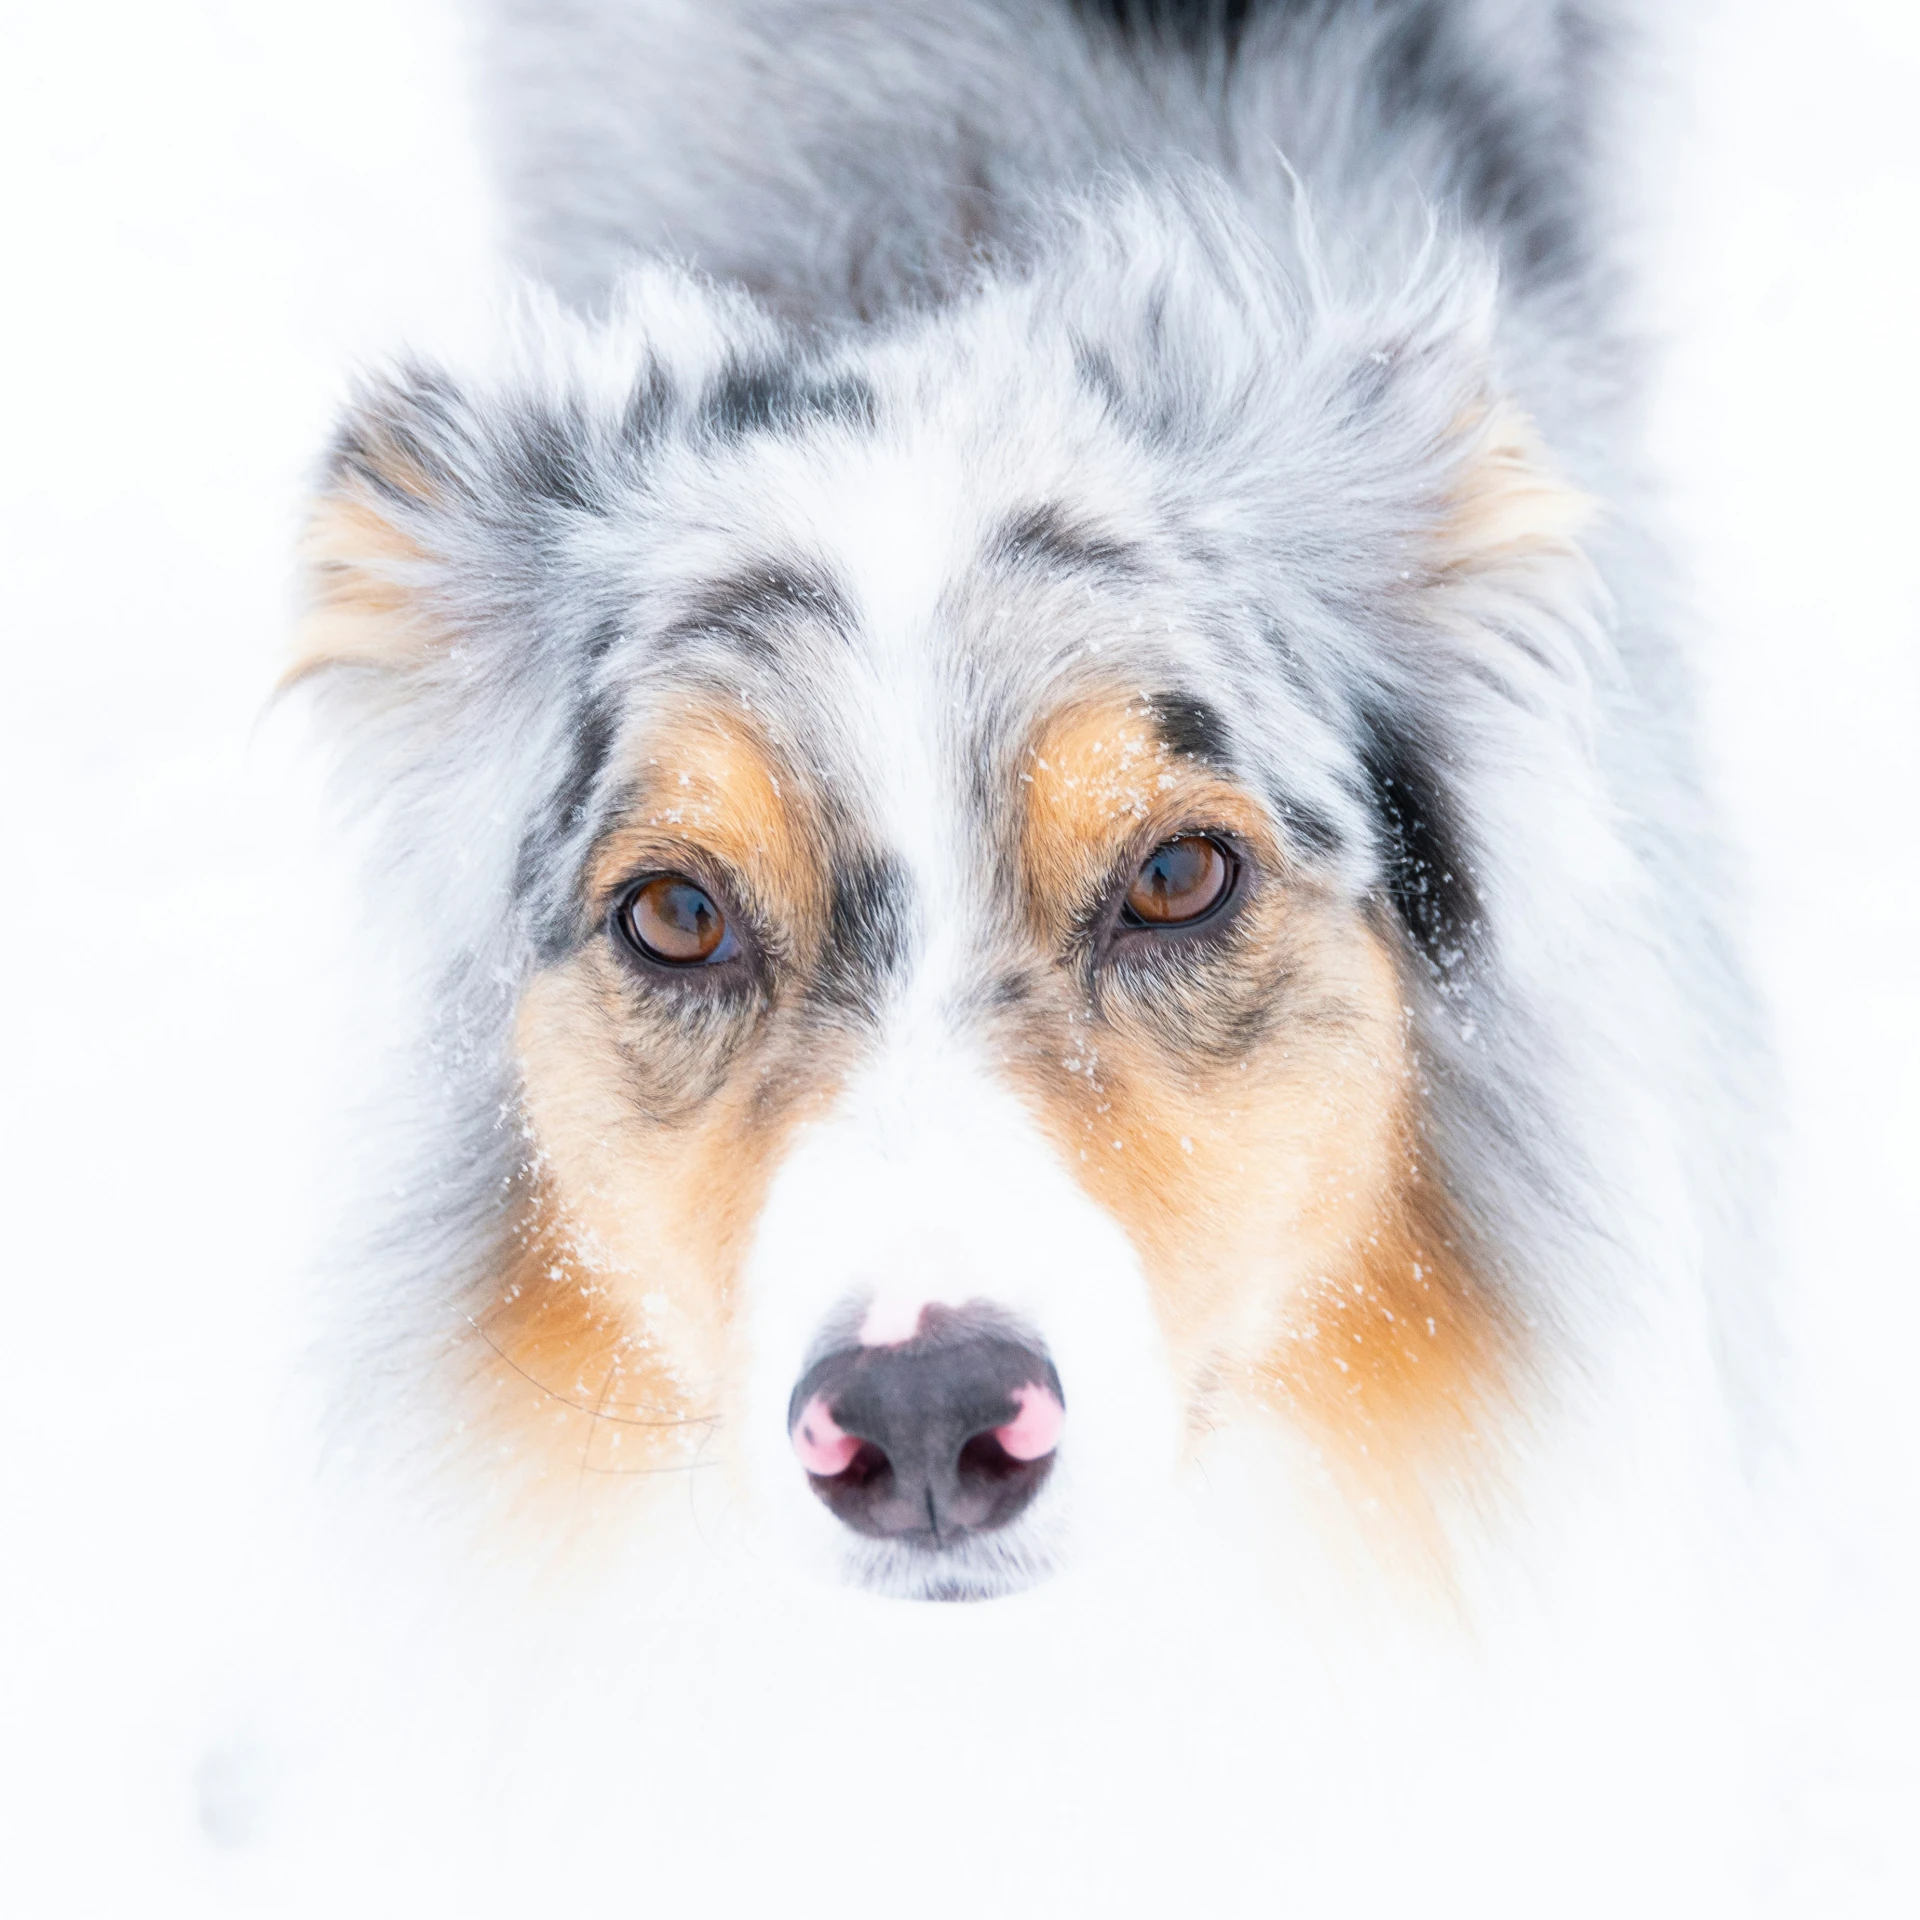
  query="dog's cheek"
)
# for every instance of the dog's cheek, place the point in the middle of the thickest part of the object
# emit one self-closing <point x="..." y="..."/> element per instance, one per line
<point x="618" y="1288"/>
<point x="1245" y="1182"/>
<point x="568" y="1375"/>
<point x="1402" y="1367"/>
<point x="613" y="1318"/>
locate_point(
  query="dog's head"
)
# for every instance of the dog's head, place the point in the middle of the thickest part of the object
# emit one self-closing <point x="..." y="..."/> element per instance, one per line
<point x="969" y="869"/>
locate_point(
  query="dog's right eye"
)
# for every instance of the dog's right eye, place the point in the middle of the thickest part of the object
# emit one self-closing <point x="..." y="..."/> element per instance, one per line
<point x="1179" y="884"/>
<point x="674" y="922"/>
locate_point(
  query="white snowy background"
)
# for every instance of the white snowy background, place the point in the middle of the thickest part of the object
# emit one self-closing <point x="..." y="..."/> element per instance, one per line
<point x="212" y="208"/>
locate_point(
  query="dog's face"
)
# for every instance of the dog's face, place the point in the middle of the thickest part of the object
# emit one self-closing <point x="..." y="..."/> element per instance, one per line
<point x="960" y="867"/>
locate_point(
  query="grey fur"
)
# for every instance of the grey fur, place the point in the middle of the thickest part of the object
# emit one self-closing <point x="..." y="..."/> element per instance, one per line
<point x="1230" y="294"/>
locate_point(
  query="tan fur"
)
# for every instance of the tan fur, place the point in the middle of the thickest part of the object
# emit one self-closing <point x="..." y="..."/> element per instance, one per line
<point x="606" y="1338"/>
<point x="1398" y="1363"/>
<point x="1508" y="508"/>
<point x="1299" y="1253"/>
<point x="706" y="786"/>
<point x="361" y="607"/>
<point x="568" y="1373"/>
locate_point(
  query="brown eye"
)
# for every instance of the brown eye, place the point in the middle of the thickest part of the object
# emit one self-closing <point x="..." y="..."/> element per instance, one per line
<point x="674" y="921"/>
<point x="1180" y="882"/>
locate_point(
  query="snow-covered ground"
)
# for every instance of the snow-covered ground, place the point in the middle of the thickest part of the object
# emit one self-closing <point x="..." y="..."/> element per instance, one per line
<point x="212" y="209"/>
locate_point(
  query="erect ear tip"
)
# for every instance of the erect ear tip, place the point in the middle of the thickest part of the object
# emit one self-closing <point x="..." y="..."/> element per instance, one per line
<point x="400" y="437"/>
<point x="388" y="468"/>
<point x="1508" y="504"/>
<point x="363" y="580"/>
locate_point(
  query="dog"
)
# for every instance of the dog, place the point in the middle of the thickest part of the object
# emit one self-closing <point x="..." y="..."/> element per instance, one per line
<point x="1047" y="782"/>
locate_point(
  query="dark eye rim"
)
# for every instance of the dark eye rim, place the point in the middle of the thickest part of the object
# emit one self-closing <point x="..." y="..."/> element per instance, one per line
<point x="1124" y="933"/>
<point x="728" y="957"/>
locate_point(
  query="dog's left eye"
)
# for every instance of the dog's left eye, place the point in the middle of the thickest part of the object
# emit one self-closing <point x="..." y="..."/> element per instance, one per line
<point x="674" y="922"/>
<point x="1179" y="883"/>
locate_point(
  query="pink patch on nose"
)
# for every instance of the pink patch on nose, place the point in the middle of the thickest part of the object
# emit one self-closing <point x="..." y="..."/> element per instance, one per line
<point x="1034" y="1431"/>
<point x="823" y="1449"/>
<point x="891" y="1321"/>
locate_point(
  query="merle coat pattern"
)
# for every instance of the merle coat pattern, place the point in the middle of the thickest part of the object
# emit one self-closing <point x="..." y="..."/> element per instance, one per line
<point x="914" y="379"/>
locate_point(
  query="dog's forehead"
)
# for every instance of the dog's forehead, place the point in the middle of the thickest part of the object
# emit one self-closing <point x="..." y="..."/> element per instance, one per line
<point x="925" y="586"/>
<point x="902" y="601"/>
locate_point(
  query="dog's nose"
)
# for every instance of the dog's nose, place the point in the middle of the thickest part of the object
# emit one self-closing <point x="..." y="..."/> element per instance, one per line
<point x="926" y="1441"/>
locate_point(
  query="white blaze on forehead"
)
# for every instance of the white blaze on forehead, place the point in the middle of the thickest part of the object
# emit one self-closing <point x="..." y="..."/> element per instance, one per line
<point x="895" y="519"/>
<point x="898" y="528"/>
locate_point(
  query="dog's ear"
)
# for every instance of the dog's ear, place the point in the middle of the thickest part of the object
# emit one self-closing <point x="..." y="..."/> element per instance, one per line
<point x="474" y="565"/>
<point x="1489" y="641"/>
<point x="367" y="544"/>
<point x="445" y="504"/>
<point x="434" y="504"/>
<point x="1502" y="562"/>
<point x="1508" y="512"/>
<point x="1370" y="422"/>
<point x="453" y="633"/>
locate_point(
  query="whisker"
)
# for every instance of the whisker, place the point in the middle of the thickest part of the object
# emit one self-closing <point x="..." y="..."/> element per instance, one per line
<point x="580" y="1406"/>
<point x="630" y="1473"/>
<point x="599" y="1413"/>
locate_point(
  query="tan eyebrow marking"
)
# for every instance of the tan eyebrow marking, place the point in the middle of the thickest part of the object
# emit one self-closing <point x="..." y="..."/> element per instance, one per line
<point x="704" y="779"/>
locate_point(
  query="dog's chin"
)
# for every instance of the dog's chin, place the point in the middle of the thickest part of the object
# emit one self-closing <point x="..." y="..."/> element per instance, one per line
<point x="983" y="1567"/>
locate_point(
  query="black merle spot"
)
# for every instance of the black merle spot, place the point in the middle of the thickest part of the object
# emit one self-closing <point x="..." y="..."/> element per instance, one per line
<point x="1511" y="174"/>
<point x="869" y="929"/>
<point x="1190" y="726"/>
<point x="771" y="398"/>
<point x="1428" y="877"/>
<point x="1044" y="536"/>
<point x="537" y="883"/>
<point x="649" y="408"/>
<point x="606" y="635"/>
<point x="752" y="608"/>
<point x="1306" y="827"/>
<point x="587" y="749"/>
<point x="404" y="439"/>
<point x="1194" y="24"/>
<point x="1155" y="418"/>
<point x="551" y="456"/>
<point x="1101" y="378"/>
<point x="1511" y="156"/>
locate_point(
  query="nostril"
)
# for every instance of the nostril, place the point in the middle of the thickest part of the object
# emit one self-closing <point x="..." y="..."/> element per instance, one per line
<point x="984" y="1458"/>
<point x="824" y="1449"/>
<point x="1034" y="1431"/>
<point x="828" y="1452"/>
<point x="867" y="1467"/>
<point x="1032" y="1434"/>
